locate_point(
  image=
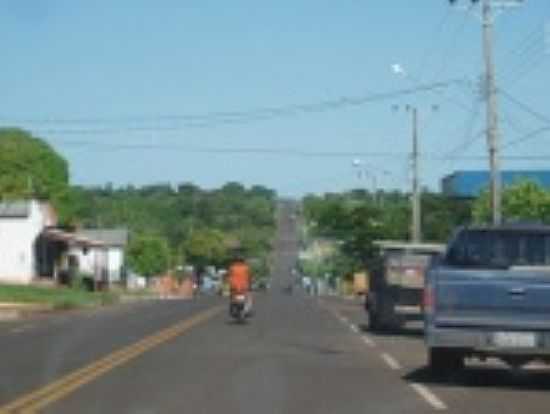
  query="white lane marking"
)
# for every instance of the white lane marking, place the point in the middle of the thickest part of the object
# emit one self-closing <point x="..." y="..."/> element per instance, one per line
<point x="354" y="328"/>
<point x="429" y="397"/>
<point x="391" y="361"/>
<point x="368" y="341"/>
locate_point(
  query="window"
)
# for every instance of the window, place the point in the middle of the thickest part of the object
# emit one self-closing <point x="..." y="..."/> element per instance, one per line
<point x="504" y="248"/>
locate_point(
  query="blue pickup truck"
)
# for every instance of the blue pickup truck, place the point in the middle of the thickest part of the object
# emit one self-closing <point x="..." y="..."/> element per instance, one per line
<point x="489" y="296"/>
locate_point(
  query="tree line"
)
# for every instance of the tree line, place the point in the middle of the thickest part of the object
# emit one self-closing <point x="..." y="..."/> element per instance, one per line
<point x="185" y="225"/>
<point x="353" y="220"/>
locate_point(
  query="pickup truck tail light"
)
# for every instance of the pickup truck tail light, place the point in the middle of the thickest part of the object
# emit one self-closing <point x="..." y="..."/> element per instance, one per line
<point x="428" y="299"/>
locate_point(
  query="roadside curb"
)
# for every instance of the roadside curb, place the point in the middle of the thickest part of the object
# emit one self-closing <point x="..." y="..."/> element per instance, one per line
<point x="14" y="311"/>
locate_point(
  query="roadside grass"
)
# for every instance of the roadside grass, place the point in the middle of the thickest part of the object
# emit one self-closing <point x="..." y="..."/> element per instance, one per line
<point x="57" y="298"/>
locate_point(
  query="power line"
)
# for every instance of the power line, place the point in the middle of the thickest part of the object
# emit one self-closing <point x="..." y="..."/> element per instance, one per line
<point x="529" y="42"/>
<point x="524" y="68"/>
<point x="527" y="49"/>
<point x="230" y="117"/>
<point x="431" y="50"/>
<point x="453" y="99"/>
<point x="291" y="152"/>
<point x="446" y="57"/>
<point x="527" y="137"/>
<point x="529" y="55"/>
<point x="230" y="150"/>
<point x="481" y="158"/>
<point x="511" y="122"/>
<point x="468" y="138"/>
<point x="527" y="108"/>
<point x="453" y="155"/>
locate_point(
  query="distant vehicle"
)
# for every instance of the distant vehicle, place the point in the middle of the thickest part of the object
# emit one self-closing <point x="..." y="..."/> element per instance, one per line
<point x="211" y="284"/>
<point x="396" y="283"/>
<point x="489" y="296"/>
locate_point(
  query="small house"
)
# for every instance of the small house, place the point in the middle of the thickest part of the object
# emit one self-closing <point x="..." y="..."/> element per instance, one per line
<point x="105" y="258"/>
<point x="21" y="224"/>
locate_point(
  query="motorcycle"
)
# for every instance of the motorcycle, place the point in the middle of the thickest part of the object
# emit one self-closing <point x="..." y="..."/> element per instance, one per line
<point x="238" y="307"/>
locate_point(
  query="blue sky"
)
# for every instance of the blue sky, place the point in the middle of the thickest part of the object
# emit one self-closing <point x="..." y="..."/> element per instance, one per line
<point x="100" y="80"/>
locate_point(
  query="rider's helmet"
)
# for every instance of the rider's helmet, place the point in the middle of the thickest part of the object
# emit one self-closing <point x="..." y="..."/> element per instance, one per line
<point x="238" y="256"/>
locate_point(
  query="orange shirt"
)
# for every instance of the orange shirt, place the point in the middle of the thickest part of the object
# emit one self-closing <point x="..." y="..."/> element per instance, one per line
<point x="239" y="278"/>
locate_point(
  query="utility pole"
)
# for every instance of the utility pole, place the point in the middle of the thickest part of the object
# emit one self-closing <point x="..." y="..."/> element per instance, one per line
<point x="492" y="116"/>
<point x="416" y="232"/>
<point x="416" y="192"/>
<point x="490" y="93"/>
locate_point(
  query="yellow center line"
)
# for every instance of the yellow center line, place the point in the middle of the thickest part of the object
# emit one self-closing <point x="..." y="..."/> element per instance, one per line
<point x="48" y="394"/>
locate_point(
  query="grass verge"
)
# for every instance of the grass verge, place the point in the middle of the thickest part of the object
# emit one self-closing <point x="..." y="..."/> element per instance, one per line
<point x="57" y="298"/>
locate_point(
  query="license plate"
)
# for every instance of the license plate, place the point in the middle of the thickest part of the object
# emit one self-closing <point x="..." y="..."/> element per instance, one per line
<point x="514" y="340"/>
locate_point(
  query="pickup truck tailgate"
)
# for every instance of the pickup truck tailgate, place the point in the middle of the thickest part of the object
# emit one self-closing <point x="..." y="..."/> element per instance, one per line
<point x="517" y="299"/>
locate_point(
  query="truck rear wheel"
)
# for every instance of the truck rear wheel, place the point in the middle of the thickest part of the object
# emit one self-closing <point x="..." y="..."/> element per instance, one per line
<point x="374" y="321"/>
<point x="384" y="320"/>
<point x="444" y="361"/>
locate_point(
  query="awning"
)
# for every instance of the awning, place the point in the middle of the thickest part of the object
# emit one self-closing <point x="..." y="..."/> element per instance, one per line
<point x="71" y="238"/>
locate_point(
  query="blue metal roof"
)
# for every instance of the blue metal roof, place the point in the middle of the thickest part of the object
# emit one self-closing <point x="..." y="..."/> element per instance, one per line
<point x="471" y="183"/>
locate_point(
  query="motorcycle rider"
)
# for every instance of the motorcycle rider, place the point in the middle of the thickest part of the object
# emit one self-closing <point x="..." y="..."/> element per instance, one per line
<point x="240" y="280"/>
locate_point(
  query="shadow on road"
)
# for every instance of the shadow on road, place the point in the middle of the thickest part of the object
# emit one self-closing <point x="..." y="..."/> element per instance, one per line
<point x="234" y="322"/>
<point x="490" y="377"/>
<point x="402" y="332"/>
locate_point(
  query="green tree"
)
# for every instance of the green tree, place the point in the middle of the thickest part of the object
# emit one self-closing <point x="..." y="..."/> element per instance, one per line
<point x="522" y="201"/>
<point x="206" y="247"/>
<point x="441" y="215"/>
<point x="366" y="227"/>
<point x="30" y="168"/>
<point x="148" y="255"/>
<point x="179" y="215"/>
<point x="354" y="220"/>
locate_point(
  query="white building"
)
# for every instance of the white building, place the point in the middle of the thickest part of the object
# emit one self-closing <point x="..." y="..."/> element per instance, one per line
<point x="21" y="224"/>
<point x="105" y="258"/>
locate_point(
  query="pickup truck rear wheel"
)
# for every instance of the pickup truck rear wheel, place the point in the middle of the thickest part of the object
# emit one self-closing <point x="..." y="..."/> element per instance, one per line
<point x="445" y="361"/>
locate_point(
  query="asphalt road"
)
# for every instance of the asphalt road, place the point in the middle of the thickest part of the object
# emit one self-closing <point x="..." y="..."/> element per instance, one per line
<point x="297" y="355"/>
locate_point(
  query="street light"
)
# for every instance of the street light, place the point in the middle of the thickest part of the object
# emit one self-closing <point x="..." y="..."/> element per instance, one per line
<point x="397" y="69"/>
<point x="416" y="205"/>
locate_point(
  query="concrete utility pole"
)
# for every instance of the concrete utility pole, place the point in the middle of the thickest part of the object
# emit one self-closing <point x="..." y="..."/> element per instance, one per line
<point x="492" y="116"/>
<point x="416" y="232"/>
<point x="490" y="92"/>
<point x="416" y="192"/>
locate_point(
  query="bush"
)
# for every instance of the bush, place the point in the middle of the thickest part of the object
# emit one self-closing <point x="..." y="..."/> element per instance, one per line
<point x="83" y="281"/>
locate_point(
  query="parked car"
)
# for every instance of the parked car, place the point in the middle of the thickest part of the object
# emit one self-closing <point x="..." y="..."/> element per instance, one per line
<point x="396" y="283"/>
<point x="489" y="296"/>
